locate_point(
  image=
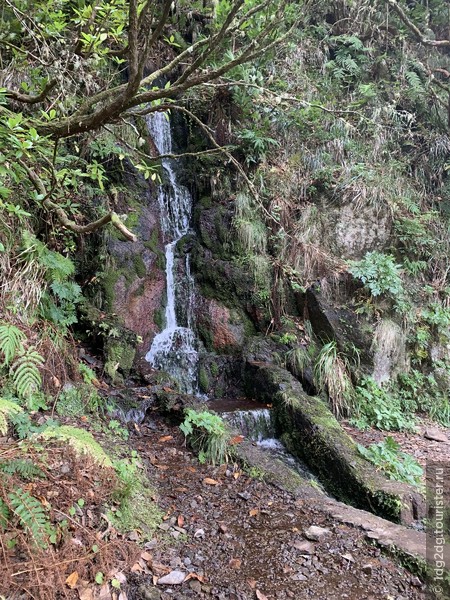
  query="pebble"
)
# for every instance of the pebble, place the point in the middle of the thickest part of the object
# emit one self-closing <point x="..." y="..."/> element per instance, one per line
<point x="315" y="533"/>
<point x="172" y="578"/>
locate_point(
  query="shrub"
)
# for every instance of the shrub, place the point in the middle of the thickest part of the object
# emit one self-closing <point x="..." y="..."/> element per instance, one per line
<point x="207" y="434"/>
<point x="397" y="465"/>
<point x="379" y="273"/>
<point x="374" y="406"/>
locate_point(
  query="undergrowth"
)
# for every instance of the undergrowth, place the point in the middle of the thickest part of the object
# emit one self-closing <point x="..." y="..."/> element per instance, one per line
<point x="395" y="464"/>
<point x="208" y="435"/>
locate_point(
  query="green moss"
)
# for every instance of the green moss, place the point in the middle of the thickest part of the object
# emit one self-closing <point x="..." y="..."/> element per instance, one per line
<point x="139" y="266"/>
<point x="214" y="369"/>
<point x="205" y="202"/>
<point x="159" y="318"/>
<point x="109" y="279"/>
<point x="153" y="242"/>
<point x="132" y="220"/>
<point x="137" y="509"/>
<point x="203" y="380"/>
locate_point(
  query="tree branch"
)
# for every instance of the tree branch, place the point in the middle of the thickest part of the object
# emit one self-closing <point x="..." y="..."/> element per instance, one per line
<point x="26" y="99"/>
<point x="412" y="27"/>
<point x="63" y="218"/>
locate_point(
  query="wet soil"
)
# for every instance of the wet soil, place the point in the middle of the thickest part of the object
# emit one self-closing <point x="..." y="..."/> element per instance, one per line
<point x="236" y="537"/>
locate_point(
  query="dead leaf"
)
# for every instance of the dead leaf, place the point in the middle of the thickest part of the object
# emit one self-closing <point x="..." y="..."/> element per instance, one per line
<point x="181" y="490"/>
<point x="165" y="438"/>
<point x="235" y="563"/>
<point x="180" y="521"/>
<point x="209" y="481"/>
<point x="192" y="469"/>
<point x="237" y="439"/>
<point x="195" y="576"/>
<point x="237" y="474"/>
<point x="261" y="596"/>
<point x="86" y="593"/>
<point x="71" y="581"/>
<point x="136" y="568"/>
<point x="253" y="512"/>
<point x="252" y="583"/>
<point x="146" y="556"/>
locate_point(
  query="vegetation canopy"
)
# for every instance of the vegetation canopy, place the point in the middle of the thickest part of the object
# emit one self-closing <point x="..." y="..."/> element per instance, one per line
<point x="80" y="67"/>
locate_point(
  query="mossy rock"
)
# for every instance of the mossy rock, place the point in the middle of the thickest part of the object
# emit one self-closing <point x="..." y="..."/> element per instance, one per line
<point x="310" y="431"/>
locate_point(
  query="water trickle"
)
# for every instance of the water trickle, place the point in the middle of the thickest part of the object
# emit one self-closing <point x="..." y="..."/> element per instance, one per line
<point x="254" y="424"/>
<point x="174" y="349"/>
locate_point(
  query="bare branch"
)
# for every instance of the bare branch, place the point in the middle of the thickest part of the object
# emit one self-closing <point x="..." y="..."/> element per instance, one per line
<point x="27" y="99"/>
<point x="63" y="218"/>
<point x="412" y="27"/>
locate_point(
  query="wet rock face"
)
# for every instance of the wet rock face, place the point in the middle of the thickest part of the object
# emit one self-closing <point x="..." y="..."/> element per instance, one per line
<point x="332" y="321"/>
<point x="223" y="328"/>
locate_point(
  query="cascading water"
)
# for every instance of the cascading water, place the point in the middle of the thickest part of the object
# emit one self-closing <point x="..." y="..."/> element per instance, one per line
<point x="174" y="349"/>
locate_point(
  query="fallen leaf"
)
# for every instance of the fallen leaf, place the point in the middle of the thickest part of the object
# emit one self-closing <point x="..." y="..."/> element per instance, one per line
<point x="71" y="581"/>
<point x="181" y="490"/>
<point x="235" y="563"/>
<point x="86" y="593"/>
<point x="261" y="596"/>
<point x="165" y="438"/>
<point x="195" y="576"/>
<point x="237" y="439"/>
<point x="146" y="556"/>
<point x="192" y="469"/>
<point x="180" y="521"/>
<point x="237" y="474"/>
<point x="209" y="481"/>
<point x="252" y="583"/>
<point x="136" y="568"/>
<point x="253" y="512"/>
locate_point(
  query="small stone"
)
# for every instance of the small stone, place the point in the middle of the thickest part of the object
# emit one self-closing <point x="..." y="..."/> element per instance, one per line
<point x="348" y="557"/>
<point x="432" y="433"/>
<point x="195" y="586"/>
<point x="133" y="536"/>
<point x="147" y="592"/>
<point x="415" y="581"/>
<point x="187" y="561"/>
<point x="223" y="528"/>
<point x="299" y="577"/>
<point x="172" y="578"/>
<point x="304" y="547"/>
<point x="200" y="533"/>
<point x="315" y="533"/>
<point x="245" y="495"/>
<point x="367" y="569"/>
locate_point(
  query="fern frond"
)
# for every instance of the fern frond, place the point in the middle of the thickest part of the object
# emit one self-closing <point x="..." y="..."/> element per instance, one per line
<point x="22" y="467"/>
<point x="11" y="342"/>
<point x="416" y="87"/>
<point x="4" y="515"/>
<point x="7" y="409"/>
<point x="82" y="442"/>
<point x="25" y="373"/>
<point x="32" y="516"/>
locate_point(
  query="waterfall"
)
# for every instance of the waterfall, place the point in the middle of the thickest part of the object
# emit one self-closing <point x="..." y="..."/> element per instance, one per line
<point x="174" y="349"/>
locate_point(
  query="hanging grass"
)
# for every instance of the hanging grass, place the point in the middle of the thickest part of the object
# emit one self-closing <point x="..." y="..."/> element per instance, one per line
<point x="332" y="374"/>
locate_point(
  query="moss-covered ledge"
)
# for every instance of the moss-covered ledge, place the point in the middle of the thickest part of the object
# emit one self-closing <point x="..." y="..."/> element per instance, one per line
<point x="309" y="430"/>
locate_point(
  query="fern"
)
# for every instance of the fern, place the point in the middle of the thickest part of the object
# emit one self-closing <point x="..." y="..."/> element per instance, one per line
<point x="416" y="88"/>
<point x="32" y="516"/>
<point x="7" y="410"/>
<point x="22" y="467"/>
<point x="25" y="373"/>
<point x="82" y="442"/>
<point x="4" y="515"/>
<point x="11" y="342"/>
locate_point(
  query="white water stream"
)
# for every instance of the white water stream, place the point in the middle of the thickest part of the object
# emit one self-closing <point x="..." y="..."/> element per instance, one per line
<point x="174" y="349"/>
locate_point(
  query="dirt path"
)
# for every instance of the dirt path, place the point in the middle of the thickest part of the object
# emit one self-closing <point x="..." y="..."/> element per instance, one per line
<point x="234" y="537"/>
